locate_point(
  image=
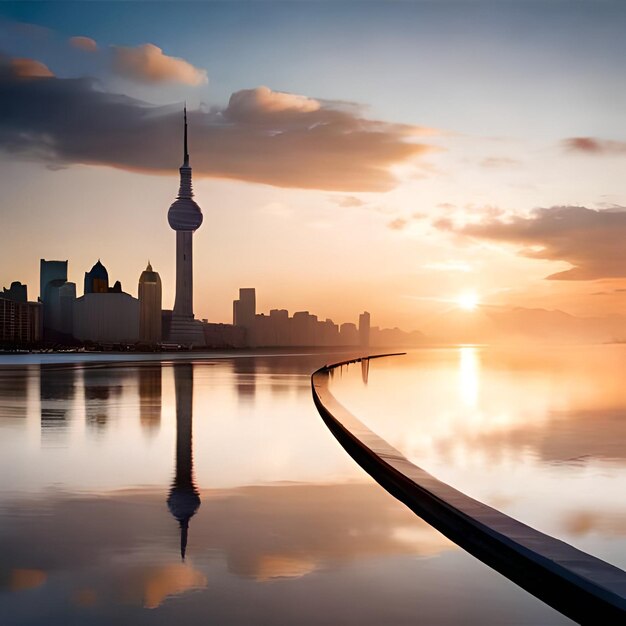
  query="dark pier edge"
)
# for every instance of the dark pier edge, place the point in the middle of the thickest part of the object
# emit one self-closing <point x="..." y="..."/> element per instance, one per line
<point x="582" y="587"/>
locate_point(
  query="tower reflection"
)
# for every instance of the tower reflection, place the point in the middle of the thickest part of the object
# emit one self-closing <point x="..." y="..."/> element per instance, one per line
<point x="183" y="500"/>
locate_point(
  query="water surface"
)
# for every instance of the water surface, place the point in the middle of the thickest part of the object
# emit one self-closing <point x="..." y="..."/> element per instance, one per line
<point x="538" y="434"/>
<point x="108" y="470"/>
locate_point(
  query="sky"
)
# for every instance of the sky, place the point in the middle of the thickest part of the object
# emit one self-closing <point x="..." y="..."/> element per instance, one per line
<point x="413" y="159"/>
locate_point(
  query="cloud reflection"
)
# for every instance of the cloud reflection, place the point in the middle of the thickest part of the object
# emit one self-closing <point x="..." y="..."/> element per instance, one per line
<point x="261" y="533"/>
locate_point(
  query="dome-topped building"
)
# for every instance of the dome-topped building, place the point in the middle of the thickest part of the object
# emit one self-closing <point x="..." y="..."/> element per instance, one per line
<point x="97" y="279"/>
<point x="185" y="217"/>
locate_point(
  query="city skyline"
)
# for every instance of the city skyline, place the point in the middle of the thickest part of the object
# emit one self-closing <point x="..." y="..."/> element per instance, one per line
<point x="458" y="203"/>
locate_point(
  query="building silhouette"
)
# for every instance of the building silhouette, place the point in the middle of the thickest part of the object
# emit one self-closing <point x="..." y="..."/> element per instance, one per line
<point x="20" y="320"/>
<point x="304" y="329"/>
<point x="185" y="217"/>
<point x="49" y="271"/>
<point x="364" y="329"/>
<point x="244" y="309"/>
<point x="183" y="500"/>
<point x="16" y="292"/>
<point x="97" y="279"/>
<point x="58" y="296"/>
<point x="105" y="315"/>
<point x="149" y="291"/>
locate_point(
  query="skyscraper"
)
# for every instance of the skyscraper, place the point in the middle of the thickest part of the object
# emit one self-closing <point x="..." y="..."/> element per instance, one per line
<point x="58" y="296"/>
<point x="185" y="217"/>
<point x="49" y="271"/>
<point x="150" y="306"/>
<point x="244" y="309"/>
<point x="364" y="329"/>
<point x="97" y="279"/>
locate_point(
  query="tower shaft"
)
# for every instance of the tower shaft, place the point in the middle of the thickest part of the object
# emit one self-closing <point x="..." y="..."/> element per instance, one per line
<point x="183" y="305"/>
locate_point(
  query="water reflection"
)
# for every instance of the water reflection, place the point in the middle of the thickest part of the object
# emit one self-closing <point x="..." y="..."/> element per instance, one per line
<point x="537" y="434"/>
<point x="57" y="388"/>
<point x="469" y="375"/>
<point x="292" y="530"/>
<point x="13" y="396"/>
<point x="245" y="370"/>
<point x="98" y="389"/>
<point x="150" y="391"/>
<point x="365" y="370"/>
<point x="184" y="499"/>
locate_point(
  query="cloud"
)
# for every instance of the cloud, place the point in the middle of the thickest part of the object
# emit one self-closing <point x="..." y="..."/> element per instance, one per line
<point x="591" y="145"/>
<point x="493" y="162"/>
<point x="347" y="201"/>
<point x="262" y="101"/>
<point x="400" y="223"/>
<point x="83" y="43"/>
<point x="148" y="64"/>
<point x="591" y="240"/>
<point x="260" y="136"/>
<point x="28" y="68"/>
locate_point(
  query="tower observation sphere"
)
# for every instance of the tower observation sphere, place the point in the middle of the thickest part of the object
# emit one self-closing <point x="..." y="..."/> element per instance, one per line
<point x="184" y="213"/>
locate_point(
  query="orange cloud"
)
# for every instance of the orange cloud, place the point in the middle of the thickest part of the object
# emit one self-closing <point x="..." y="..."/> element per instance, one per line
<point x="83" y="43"/>
<point x="22" y="579"/>
<point x="399" y="223"/>
<point x="170" y="580"/>
<point x="29" y="68"/>
<point x="148" y="64"/>
<point x="264" y="100"/>
<point x="591" y="240"/>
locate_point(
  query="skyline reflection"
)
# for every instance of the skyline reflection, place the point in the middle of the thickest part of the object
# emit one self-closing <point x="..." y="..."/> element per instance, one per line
<point x="257" y="496"/>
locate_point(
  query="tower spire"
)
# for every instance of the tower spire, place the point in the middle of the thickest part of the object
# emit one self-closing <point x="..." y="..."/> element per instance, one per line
<point x="186" y="155"/>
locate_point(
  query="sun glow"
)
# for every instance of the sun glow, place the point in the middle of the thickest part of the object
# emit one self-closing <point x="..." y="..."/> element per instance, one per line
<point x="468" y="301"/>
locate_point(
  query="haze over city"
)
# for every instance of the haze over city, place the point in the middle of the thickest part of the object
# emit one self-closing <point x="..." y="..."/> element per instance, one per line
<point x="464" y="183"/>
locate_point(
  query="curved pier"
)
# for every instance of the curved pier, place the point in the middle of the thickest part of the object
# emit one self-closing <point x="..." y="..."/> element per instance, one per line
<point x="582" y="587"/>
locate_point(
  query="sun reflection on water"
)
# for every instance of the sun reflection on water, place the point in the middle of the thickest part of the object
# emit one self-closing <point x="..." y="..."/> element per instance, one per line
<point x="469" y="376"/>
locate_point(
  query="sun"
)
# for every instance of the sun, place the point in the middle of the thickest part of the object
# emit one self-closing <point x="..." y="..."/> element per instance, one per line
<point x="468" y="301"/>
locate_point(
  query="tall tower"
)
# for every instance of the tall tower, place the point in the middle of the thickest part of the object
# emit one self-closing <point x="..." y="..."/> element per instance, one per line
<point x="185" y="217"/>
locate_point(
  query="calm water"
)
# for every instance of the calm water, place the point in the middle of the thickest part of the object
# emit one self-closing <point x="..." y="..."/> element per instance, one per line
<point x="106" y="469"/>
<point x="540" y="435"/>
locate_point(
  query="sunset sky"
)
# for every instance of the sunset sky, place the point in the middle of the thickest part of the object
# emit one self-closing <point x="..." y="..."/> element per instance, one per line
<point x="404" y="158"/>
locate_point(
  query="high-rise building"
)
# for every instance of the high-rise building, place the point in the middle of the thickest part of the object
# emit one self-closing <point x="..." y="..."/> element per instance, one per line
<point x="20" y="320"/>
<point x="150" y="306"/>
<point x="59" y="309"/>
<point x="185" y="217"/>
<point x="58" y="296"/>
<point x="49" y="271"/>
<point x="97" y="279"/>
<point x="16" y="292"/>
<point x="364" y="329"/>
<point x="348" y="334"/>
<point x="244" y="309"/>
